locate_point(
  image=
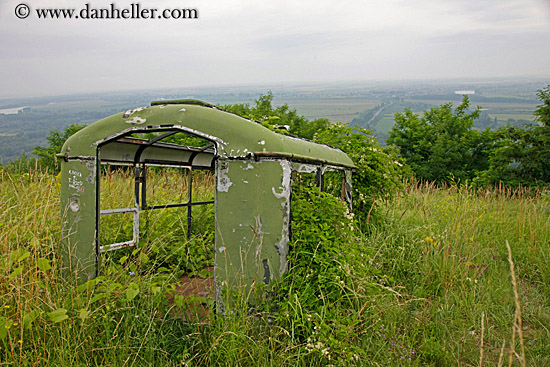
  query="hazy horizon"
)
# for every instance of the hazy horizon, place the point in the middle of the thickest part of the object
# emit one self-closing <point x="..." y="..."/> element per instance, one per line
<point x="243" y="43"/>
<point x="291" y="86"/>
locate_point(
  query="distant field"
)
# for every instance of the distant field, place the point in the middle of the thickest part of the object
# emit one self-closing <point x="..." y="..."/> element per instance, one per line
<point x="386" y="123"/>
<point x="502" y="111"/>
<point x="516" y="116"/>
<point x="341" y="102"/>
<point x="438" y="102"/>
<point x="335" y="109"/>
<point x="91" y="105"/>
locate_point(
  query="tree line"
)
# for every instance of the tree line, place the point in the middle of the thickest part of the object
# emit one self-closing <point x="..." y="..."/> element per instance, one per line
<point x="440" y="145"/>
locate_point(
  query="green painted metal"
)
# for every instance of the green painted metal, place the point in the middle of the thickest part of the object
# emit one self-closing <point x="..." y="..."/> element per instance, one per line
<point x="253" y="215"/>
<point x="253" y="167"/>
<point x="78" y="218"/>
<point x="236" y="137"/>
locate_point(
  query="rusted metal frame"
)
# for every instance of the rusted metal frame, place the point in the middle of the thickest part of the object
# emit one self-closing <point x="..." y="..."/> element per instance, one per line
<point x="197" y="152"/>
<point x="168" y="206"/>
<point x="97" y="209"/>
<point x="143" y="142"/>
<point x="347" y="188"/>
<point x="151" y="142"/>
<point x="140" y="187"/>
<point x="189" y="202"/>
<point x="156" y="163"/>
<point x="115" y="162"/>
<point x="159" y="128"/>
<point x="160" y="163"/>
<point x="290" y="219"/>
<point x="133" y="130"/>
<point x="135" y="229"/>
<point x="81" y="158"/>
<point x="135" y="210"/>
<point x="141" y="183"/>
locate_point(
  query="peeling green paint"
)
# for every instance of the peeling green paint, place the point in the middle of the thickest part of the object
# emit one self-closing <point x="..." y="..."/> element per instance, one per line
<point x="236" y="137"/>
<point x="252" y="223"/>
<point x="78" y="218"/>
<point x="253" y="167"/>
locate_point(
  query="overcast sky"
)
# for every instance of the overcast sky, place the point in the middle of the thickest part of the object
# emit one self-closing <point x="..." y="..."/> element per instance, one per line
<point x="237" y="42"/>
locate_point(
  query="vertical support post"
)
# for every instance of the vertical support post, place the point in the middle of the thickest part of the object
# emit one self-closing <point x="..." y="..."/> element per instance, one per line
<point x="343" y="193"/>
<point x="189" y="207"/>
<point x="137" y="180"/>
<point x="141" y="186"/>
<point x="347" y="188"/>
<point x="320" y="179"/>
<point x="144" y="186"/>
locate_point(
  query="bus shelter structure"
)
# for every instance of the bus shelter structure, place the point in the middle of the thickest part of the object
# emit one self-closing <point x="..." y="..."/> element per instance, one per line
<point x="253" y="169"/>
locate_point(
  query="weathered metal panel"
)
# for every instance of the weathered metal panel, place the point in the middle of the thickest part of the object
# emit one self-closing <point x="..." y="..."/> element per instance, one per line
<point x="253" y="178"/>
<point x="78" y="215"/>
<point x="235" y="137"/>
<point x="252" y="221"/>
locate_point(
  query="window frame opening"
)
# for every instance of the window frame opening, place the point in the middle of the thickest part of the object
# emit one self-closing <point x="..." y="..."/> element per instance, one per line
<point x="140" y="164"/>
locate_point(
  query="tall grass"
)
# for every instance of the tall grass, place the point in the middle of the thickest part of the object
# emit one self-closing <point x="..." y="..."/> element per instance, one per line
<point x="432" y="286"/>
<point x="445" y="248"/>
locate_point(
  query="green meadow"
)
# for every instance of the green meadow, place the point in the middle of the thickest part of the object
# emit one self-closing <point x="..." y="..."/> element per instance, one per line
<point x="428" y="281"/>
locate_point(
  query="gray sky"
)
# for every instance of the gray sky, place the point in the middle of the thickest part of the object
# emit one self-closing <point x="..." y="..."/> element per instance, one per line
<point x="244" y="41"/>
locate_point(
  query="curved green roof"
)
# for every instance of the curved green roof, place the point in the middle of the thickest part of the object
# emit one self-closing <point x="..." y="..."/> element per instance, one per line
<point x="235" y="136"/>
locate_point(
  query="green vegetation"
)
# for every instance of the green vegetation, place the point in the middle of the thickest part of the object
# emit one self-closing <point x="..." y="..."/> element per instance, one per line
<point x="380" y="119"/>
<point x="280" y="119"/>
<point x="542" y="113"/>
<point x="418" y="275"/>
<point x="46" y="155"/>
<point x="443" y="146"/>
<point x="378" y="174"/>
<point x="23" y="131"/>
<point x="520" y="156"/>
<point x="428" y="283"/>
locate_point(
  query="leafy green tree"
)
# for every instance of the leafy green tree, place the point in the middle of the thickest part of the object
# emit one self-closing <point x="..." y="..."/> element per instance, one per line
<point x="521" y="154"/>
<point x="441" y="145"/>
<point x="542" y="113"/>
<point x="278" y="118"/>
<point x="56" y="139"/>
<point x="379" y="172"/>
<point x="520" y="157"/>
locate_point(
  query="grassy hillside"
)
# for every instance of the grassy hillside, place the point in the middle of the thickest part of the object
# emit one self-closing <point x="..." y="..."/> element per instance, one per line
<point x="432" y="285"/>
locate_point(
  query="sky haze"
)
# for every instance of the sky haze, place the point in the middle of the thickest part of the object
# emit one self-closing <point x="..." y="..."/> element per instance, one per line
<point x="243" y="41"/>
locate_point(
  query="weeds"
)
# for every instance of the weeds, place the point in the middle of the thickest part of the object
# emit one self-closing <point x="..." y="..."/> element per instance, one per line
<point x="429" y="285"/>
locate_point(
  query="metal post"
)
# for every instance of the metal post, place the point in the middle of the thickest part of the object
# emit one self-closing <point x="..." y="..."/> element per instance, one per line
<point x="190" y="201"/>
<point x="320" y="179"/>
